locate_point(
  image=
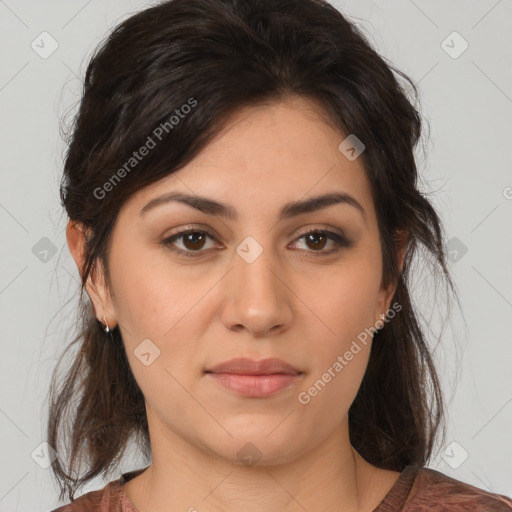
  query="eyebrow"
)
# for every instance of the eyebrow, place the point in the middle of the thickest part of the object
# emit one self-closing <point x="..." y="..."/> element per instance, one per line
<point x="289" y="210"/>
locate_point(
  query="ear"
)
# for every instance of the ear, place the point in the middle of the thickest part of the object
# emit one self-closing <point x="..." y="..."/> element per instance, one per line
<point x="386" y="294"/>
<point x="96" y="287"/>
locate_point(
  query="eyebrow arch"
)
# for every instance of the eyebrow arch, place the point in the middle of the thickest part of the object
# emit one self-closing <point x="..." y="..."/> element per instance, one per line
<point x="289" y="210"/>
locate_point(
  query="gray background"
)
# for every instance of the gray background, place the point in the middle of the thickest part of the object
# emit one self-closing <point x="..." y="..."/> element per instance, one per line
<point x="466" y="98"/>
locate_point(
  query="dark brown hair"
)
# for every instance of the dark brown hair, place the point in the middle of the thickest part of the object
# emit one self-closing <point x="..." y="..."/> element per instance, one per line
<point x="225" y="54"/>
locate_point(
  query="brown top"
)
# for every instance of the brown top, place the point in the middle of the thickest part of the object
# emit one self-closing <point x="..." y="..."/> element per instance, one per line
<point x="415" y="490"/>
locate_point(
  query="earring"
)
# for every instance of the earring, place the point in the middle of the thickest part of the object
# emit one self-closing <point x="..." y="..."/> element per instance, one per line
<point x="106" y="327"/>
<point x="381" y="317"/>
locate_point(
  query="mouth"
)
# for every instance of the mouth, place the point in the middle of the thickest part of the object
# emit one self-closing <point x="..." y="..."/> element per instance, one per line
<point x="255" y="379"/>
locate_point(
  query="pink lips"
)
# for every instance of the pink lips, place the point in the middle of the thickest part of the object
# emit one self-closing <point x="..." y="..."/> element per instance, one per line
<point x="255" y="379"/>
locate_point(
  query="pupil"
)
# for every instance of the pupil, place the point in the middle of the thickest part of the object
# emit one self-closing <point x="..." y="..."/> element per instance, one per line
<point x="193" y="238"/>
<point x="314" y="236"/>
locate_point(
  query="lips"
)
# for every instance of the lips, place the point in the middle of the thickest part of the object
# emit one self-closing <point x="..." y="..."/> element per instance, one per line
<point x="246" y="366"/>
<point x="255" y="379"/>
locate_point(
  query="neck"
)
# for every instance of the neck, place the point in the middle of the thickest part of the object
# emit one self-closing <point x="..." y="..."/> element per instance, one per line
<point x="332" y="476"/>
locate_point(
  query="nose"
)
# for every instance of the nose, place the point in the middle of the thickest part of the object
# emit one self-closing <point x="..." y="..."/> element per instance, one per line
<point x="257" y="297"/>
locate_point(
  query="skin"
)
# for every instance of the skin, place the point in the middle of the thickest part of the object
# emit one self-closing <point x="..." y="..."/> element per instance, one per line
<point x="292" y="302"/>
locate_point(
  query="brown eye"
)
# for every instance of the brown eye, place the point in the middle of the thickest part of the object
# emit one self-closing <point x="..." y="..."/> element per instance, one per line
<point x="316" y="240"/>
<point x="192" y="242"/>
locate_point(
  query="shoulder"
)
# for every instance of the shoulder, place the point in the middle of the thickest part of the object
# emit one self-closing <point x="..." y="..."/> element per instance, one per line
<point x="434" y="490"/>
<point x="109" y="499"/>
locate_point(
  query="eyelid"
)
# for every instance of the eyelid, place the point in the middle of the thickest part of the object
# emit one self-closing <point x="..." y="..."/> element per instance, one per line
<point x="325" y="228"/>
<point x="203" y="228"/>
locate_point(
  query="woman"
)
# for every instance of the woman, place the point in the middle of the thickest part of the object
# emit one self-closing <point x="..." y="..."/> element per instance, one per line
<point x="243" y="210"/>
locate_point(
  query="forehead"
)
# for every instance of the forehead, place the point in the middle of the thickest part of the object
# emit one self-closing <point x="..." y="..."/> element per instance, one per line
<point x="268" y="155"/>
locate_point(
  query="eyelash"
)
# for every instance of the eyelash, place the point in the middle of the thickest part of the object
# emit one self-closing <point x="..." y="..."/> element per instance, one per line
<point x="341" y="240"/>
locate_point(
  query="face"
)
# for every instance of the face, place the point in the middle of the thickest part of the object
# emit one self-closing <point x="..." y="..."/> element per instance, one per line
<point x="248" y="281"/>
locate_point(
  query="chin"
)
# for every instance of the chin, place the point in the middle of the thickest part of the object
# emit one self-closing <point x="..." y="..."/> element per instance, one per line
<point x="257" y="446"/>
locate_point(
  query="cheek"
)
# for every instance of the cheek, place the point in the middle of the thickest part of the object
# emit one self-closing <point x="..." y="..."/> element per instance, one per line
<point x="339" y="367"/>
<point x="154" y="312"/>
<point x="151" y="295"/>
<point x="162" y="303"/>
<point x="345" y="298"/>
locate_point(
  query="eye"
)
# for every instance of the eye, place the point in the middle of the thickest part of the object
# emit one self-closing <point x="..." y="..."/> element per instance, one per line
<point x="317" y="239"/>
<point x="194" y="240"/>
